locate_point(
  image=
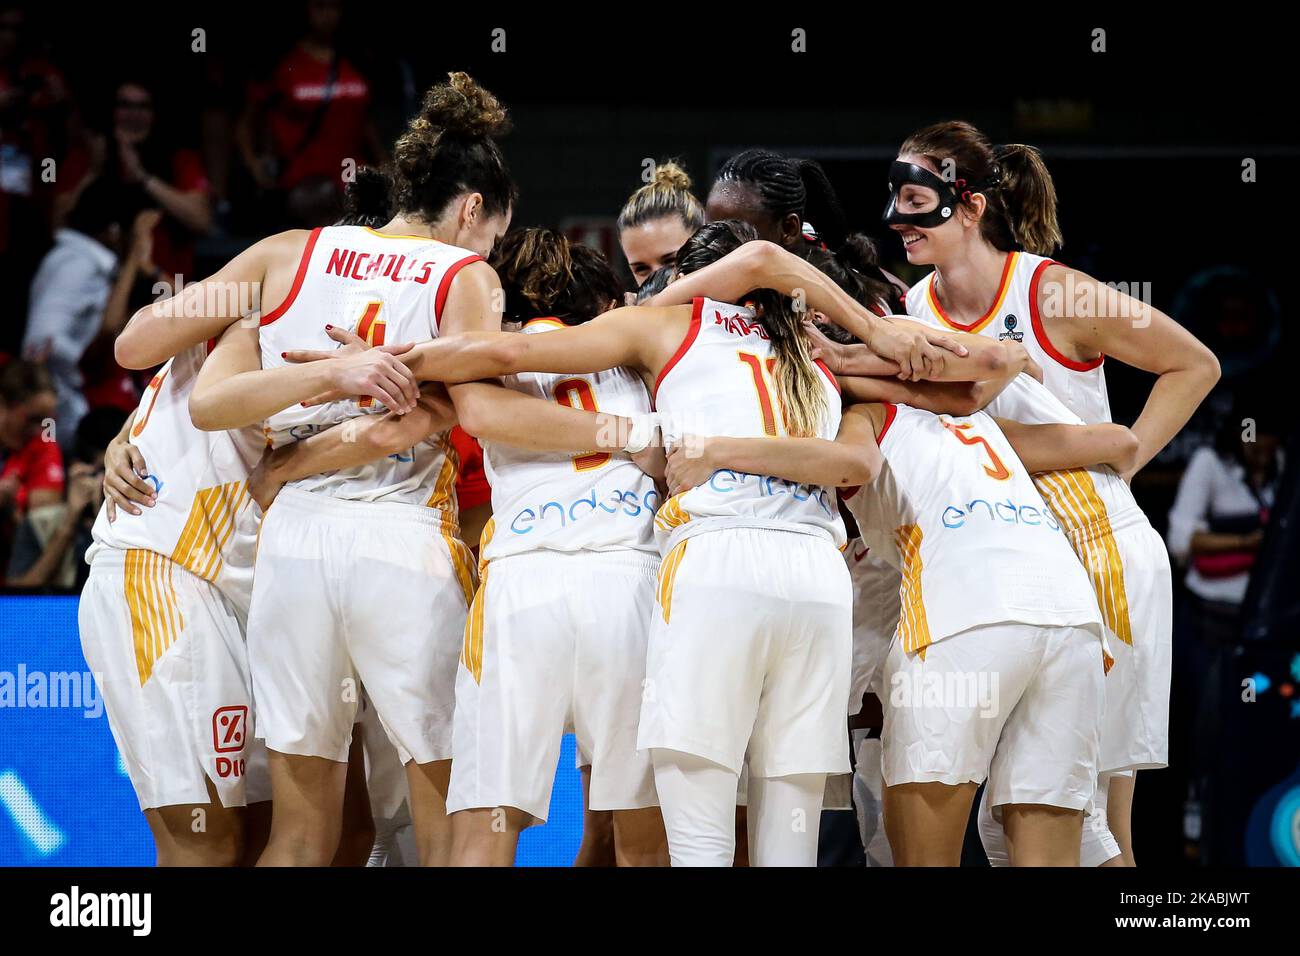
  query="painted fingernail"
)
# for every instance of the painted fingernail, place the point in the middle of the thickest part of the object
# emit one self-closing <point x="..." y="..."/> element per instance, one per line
<point x="284" y="355"/>
<point x="328" y="328"/>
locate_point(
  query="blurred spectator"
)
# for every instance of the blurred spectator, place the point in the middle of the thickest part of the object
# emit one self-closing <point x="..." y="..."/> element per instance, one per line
<point x="31" y="465"/>
<point x="312" y="113"/>
<point x="1217" y="522"/>
<point x="33" y="120"/>
<point x="149" y="174"/>
<point x="69" y="295"/>
<point x="51" y="540"/>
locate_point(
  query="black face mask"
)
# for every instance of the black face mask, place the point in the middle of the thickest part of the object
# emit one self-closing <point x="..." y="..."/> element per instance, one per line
<point x="950" y="194"/>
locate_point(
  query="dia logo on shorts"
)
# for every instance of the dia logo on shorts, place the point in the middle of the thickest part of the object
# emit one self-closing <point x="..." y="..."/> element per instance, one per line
<point x="229" y="728"/>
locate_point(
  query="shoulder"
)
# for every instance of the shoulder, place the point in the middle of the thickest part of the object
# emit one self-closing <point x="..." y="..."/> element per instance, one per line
<point x="289" y="241"/>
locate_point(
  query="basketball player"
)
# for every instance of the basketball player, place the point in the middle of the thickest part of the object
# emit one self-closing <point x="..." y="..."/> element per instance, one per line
<point x="557" y="633"/>
<point x="969" y="209"/>
<point x="395" y="518"/>
<point x="162" y="621"/>
<point x="998" y="678"/>
<point x="656" y="220"/>
<point x="697" y="755"/>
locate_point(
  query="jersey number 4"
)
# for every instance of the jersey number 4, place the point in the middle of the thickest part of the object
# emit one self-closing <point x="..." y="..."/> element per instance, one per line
<point x="578" y="393"/>
<point x="999" y="471"/>
<point x="371" y="328"/>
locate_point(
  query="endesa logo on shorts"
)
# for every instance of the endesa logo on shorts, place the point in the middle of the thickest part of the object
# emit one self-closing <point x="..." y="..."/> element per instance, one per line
<point x="560" y="514"/>
<point x="1005" y="511"/>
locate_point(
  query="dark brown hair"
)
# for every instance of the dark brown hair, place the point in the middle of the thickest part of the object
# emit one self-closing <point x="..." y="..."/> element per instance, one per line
<point x="543" y="274"/>
<point x="1021" y="211"/>
<point x="450" y="148"/>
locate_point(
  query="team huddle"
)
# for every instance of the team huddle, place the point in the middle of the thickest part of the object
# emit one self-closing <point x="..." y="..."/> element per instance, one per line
<point x="775" y="489"/>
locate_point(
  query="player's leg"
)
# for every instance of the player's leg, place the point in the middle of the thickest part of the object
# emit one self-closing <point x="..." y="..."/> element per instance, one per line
<point x="168" y="655"/>
<point x="405" y="638"/>
<point x="926" y="822"/>
<point x="611" y="621"/>
<point x="800" y="734"/>
<point x="357" y="832"/>
<point x="784" y="816"/>
<point x="303" y="680"/>
<point x="1119" y="812"/>
<point x="428" y="784"/>
<point x="513" y="693"/>
<point x="945" y="710"/>
<point x="1042" y="835"/>
<point x="698" y="798"/>
<point x="639" y="837"/>
<point x="307" y="811"/>
<point x="198" y="834"/>
<point x="1044" y="772"/>
<point x="597" y="848"/>
<point x="701" y="696"/>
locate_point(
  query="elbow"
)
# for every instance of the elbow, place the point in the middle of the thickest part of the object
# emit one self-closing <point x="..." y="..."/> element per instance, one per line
<point x="203" y="413"/>
<point x="1211" y="369"/>
<point x="472" y="415"/>
<point x="1126" y="455"/>
<point x="994" y="363"/>
<point x="865" y="467"/>
<point x="128" y="349"/>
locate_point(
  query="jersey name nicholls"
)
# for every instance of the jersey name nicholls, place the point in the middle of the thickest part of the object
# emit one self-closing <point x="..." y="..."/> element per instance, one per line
<point x="721" y="382"/>
<point x="204" y="519"/>
<point x="1092" y="504"/>
<point x="954" y="511"/>
<point x="551" y="501"/>
<point x="1014" y="315"/>
<point x="388" y="290"/>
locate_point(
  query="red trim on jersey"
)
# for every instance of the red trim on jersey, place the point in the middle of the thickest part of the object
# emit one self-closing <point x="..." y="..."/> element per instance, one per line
<point x="697" y="311"/>
<point x="891" y="410"/>
<point x="297" y="280"/>
<point x="847" y="493"/>
<point x="1003" y="284"/>
<point x="822" y="365"/>
<point x="212" y="344"/>
<point x="1040" y="333"/>
<point x="445" y="286"/>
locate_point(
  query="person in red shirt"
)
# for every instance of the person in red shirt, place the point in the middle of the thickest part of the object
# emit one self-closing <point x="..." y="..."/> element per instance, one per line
<point x="31" y="465"/>
<point x="310" y="116"/>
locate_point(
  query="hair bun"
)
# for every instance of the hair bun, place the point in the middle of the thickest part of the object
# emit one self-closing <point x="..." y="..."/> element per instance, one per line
<point x="671" y="175"/>
<point x="462" y="108"/>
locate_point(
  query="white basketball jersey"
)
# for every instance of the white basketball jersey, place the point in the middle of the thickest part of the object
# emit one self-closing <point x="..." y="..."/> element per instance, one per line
<point x="1091" y="503"/>
<point x="720" y="382"/>
<point x="204" y="518"/>
<point x="1015" y="315"/>
<point x="598" y="501"/>
<point x="954" y="511"/>
<point x="387" y="289"/>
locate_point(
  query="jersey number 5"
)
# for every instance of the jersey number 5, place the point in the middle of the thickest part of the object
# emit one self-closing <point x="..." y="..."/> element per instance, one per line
<point x="999" y="471"/>
<point x="577" y="393"/>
